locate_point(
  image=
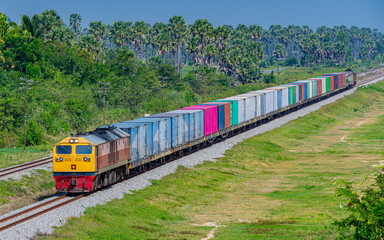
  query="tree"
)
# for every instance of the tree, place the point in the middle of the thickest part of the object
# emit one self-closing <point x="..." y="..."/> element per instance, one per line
<point x="75" y="22"/>
<point x="140" y="34"/>
<point x="201" y="31"/>
<point x="366" y="210"/>
<point x="178" y="31"/>
<point x="279" y="53"/>
<point x="121" y="33"/>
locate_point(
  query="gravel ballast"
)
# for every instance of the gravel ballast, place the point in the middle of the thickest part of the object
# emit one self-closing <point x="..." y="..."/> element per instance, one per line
<point x="46" y="222"/>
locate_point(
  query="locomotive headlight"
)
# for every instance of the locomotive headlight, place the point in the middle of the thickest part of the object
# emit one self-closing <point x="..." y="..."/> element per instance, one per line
<point x="85" y="158"/>
<point x="60" y="159"/>
<point x="73" y="140"/>
<point x="57" y="159"/>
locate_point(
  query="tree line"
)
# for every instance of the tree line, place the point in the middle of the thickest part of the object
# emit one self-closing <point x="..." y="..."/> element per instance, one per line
<point x="68" y="63"/>
<point x="234" y="51"/>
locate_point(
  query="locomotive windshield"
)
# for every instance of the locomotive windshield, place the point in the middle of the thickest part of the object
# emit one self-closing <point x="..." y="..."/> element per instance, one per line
<point x="83" y="149"/>
<point x="63" y="149"/>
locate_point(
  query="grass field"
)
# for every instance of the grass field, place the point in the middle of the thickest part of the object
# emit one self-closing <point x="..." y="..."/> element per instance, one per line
<point x="14" y="156"/>
<point x="278" y="185"/>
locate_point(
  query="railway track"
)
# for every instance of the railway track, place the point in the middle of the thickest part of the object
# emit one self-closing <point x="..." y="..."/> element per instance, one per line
<point x="25" y="215"/>
<point x="59" y="203"/>
<point x="365" y="81"/>
<point x="25" y="166"/>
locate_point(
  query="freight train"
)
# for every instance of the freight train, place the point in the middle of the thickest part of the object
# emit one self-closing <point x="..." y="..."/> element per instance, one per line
<point x="89" y="161"/>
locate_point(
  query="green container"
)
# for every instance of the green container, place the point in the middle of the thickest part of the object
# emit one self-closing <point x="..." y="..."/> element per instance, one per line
<point x="234" y="110"/>
<point x="314" y="88"/>
<point x="291" y="93"/>
<point x="327" y="83"/>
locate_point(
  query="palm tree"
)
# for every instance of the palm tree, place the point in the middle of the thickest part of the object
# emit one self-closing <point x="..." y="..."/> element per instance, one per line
<point x="31" y="26"/>
<point x="98" y="29"/>
<point x="121" y="33"/>
<point x="75" y="22"/>
<point x="221" y="36"/>
<point x="202" y="30"/>
<point x="179" y="32"/>
<point x="139" y="33"/>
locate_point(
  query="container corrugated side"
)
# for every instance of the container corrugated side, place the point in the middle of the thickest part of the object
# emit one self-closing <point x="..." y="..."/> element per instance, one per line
<point x="196" y="123"/>
<point x="210" y="118"/>
<point x="234" y="107"/>
<point x="221" y="114"/>
<point x="250" y="106"/>
<point x="241" y="108"/>
<point x="268" y="101"/>
<point x="138" y="132"/>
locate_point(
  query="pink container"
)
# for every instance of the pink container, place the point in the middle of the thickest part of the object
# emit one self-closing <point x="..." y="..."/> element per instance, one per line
<point x="210" y="117"/>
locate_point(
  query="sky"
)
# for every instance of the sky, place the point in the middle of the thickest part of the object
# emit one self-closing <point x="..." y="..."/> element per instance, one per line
<point x="314" y="13"/>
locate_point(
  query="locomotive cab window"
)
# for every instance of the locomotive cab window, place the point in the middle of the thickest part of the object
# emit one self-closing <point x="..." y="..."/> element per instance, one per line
<point x="83" y="149"/>
<point x="63" y="149"/>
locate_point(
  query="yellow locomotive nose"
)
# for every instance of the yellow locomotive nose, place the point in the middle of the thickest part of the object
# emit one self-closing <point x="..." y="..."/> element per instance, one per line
<point x="74" y="155"/>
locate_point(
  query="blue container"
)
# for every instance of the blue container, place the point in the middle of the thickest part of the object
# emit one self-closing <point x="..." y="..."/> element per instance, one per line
<point x="220" y="114"/>
<point x="159" y="130"/>
<point x="196" y="123"/>
<point x="180" y="127"/>
<point x="139" y="138"/>
<point x="172" y="132"/>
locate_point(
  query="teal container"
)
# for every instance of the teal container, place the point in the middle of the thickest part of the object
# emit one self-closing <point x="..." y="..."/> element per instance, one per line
<point x="234" y="110"/>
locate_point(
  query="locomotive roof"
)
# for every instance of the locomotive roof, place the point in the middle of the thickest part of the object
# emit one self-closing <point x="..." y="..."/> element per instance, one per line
<point x="102" y="135"/>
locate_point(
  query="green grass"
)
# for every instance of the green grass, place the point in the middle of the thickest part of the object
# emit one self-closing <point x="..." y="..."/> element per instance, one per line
<point x="17" y="191"/>
<point x="277" y="185"/>
<point x="13" y="156"/>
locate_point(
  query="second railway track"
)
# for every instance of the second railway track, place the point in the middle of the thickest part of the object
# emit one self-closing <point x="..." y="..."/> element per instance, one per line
<point x="18" y="168"/>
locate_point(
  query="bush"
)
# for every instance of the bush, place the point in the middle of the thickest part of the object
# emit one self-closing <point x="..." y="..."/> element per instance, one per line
<point x="366" y="218"/>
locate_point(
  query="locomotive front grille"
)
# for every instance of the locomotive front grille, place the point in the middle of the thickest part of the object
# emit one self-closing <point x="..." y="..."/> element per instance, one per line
<point x="78" y="159"/>
<point x="68" y="159"/>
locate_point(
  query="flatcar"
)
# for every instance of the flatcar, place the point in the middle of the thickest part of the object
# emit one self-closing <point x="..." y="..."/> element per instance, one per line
<point x="86" y="162"/>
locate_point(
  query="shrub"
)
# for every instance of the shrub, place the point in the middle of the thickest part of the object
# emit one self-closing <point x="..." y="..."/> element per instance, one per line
<point x="366" y="218"/>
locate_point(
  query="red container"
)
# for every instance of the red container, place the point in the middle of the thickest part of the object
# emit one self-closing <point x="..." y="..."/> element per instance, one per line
<point x="332" y="83"/>
<point x="339" y="80"/>
<point x="343" y="79"/>
<point x="210" y="117"/>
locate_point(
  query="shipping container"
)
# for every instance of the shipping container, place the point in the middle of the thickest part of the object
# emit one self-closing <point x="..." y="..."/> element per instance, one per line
<point x="301" y="90"/>
<point x="178" y="126"/>
<point x="139" y="138"/>
<point x="221" y="114"/>
<point x="227" y="112"/>
<point x="283" y="96"/>
<point x="240" y="108"/>
<point x="292" y="89"/>
<point x="210" y="118"/>
<point x="257" y="97"/>
<point x="325" y="84"/>
<point x="343" y="80"/>
<point x="267" y="100"/>
<point x="250" y="106"/>
<point x="159" y="132"/>
<point x="196" y="123"/>
<point x="234" y="110"/>
<point x="307" y="89"/>
<point x="332" y="79"/>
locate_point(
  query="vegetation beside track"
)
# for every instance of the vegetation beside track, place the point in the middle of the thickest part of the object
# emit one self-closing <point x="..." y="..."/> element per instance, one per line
<point x="277" y="185"/>
<point x="15" y="194"/>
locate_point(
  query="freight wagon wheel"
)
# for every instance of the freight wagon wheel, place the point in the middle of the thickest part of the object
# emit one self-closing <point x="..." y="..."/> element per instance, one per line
<point x="211" y="140"/>
<point x="225" y="135"/>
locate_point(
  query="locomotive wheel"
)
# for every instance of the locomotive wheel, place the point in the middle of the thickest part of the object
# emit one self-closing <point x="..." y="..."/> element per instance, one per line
<point x="106" y="180"/>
